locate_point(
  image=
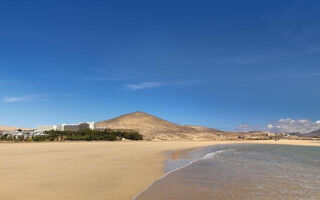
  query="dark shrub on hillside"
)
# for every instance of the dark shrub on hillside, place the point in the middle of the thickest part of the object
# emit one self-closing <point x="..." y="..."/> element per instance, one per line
<point x="83" y="135"/>
<point x="89" y="135"/>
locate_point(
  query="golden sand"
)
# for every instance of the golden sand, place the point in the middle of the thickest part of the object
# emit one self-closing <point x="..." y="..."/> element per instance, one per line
<point x="88" y="170"/>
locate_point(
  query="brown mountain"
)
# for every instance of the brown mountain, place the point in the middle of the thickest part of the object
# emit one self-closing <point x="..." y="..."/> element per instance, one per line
<point x="9" y="128"/>
<point x="154" y="128"/>
<point x="312" y="134"/>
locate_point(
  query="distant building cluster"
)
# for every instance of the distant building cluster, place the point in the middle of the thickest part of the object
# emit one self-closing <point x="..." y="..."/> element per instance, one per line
<point x="21" y="133"/>
<point x="40" y="130"/>
<point x="67" y="127"/>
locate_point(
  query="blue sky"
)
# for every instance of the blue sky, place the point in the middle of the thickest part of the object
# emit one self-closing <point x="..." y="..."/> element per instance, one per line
<point x="213" y="63"/>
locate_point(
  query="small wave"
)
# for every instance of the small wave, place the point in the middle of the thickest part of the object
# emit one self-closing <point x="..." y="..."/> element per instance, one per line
<point x="206" y="157"/>
<point x="213" y="154"/>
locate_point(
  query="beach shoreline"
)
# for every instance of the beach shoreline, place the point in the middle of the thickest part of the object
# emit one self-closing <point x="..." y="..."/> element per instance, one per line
<point x="92" y="170"/>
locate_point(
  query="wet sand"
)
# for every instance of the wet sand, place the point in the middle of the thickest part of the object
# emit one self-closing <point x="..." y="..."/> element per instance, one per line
<point x="89" y="170"/>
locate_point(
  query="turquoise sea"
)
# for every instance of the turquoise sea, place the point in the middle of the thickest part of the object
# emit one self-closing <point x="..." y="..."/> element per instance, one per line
<point x="241" y="171"/>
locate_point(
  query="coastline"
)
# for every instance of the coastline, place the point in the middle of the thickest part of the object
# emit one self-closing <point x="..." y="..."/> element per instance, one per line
<point x="92" y="170"/>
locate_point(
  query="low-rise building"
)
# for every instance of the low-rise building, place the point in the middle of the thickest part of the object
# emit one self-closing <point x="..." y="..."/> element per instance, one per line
<point x="21" y="134"/>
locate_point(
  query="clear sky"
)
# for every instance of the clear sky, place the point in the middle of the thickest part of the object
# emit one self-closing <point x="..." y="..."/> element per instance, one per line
<point x="213" y="63"/>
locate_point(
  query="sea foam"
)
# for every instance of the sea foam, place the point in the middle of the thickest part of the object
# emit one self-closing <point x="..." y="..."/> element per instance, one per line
<point x="211" y="155"/>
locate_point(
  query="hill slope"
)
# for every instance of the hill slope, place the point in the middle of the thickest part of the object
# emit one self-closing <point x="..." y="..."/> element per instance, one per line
<point x="313" y="134"/>
<point x="8" y="128"/>
<point x="154" y="128"/>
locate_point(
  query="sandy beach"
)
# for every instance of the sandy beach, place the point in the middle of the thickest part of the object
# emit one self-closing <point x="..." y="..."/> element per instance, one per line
<point x="89" y="170"/>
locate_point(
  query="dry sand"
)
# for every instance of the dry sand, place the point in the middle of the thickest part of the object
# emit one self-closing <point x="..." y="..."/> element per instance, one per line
<point x="87" y="170"/>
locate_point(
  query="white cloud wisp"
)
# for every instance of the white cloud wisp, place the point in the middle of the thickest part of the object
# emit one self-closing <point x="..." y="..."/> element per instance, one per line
<point x="28" y="98"/>
<point x="149" y="85"/>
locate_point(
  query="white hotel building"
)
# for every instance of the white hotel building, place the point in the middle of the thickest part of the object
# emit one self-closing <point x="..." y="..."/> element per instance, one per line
<point x="46" y="127"/>
<point x="67" y="127"/>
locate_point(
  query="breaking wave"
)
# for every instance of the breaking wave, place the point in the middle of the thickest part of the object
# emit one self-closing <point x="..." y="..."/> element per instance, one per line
<point x="211" y="155"/>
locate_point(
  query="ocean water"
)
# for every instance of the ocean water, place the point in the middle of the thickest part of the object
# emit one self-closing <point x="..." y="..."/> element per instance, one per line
<point x="241" y="171"/>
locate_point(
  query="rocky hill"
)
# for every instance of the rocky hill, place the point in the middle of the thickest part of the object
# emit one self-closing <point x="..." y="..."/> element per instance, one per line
<point x="154" y="128"/>
<point x="313" y="134"/>
<point x="9" y="128"/>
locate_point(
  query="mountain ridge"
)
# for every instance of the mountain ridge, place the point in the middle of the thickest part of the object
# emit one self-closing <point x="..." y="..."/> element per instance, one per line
<point x="10" y="128"/>
<point x="313" y="134"/>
